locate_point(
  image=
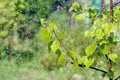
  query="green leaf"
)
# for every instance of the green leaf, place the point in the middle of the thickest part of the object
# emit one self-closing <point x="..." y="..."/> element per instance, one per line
<point x="49" y="45"/>
<point x="55" y="45"/>
<point x="81" y="16"/>
<point x="62" y="35"/>
<point x="45" y="34"/>
<point x="112" y="57"/>
<point x="96" y="23"/>
<point x="71" y="9"/>
<point x="110" y="39"/>
<point x="3" y="33"/>
<point x="99" y="34"/>
<point x="90" y="49"/>
<point x="52" y="25"/>
<point x="89" y="62"/>
<point x="75" y="64"/>
<point x="103" y="75"/>
<point x="110" y="74"/>
<point x="42" y="21"/>
<point x="107" y="27"/>
<point x="74" y="4"/>
<point x="92" y="34"/>
<point x="103" y="42"/>
<point x="60" y="59"/>
<point x="87" y="33"/>
<point x="82" y="60"/>
<point x="73" y="54"/>
<point x="105" y="49"/>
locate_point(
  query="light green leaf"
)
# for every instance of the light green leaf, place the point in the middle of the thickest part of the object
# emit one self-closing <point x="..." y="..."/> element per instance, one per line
<point x="103" y="42"/>
<point x="90" y="49"/>
<point x="81" y="16"/>
<point x="107" y="27"/>
<point x="89" y="62"/>
<point x="62" y="35"/>
<point x="96" y="23"/>
<point x="113" y="57"/>
<point x="87" y="33"/>
<point x="92" y="34"/>
<point x="99" y="34"/>
<point x="82" y="60"/>
<point x="71" y="9"/>
<point x="73" y="54"/>
<point x="55" y="45"/>
<point x="104" y="18"/>
<point x="52" y="25"/>
<point x="45" y="34"/>
<point x="42" y="21"/>
<point x="3" y="33"/>
<point x="105" y="50"/>
<point x="74" y="4"/>
<point x="75" y="64"/>
<point x="60" y="59"/>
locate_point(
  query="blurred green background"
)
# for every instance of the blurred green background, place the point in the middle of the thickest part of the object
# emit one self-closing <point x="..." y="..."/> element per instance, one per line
<point x="24" y="55"/>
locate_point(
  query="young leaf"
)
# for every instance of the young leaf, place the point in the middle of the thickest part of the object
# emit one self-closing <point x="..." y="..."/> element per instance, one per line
<point x="45" y="34"/>
<point x="60" y="58"/>
<point x="73" y="54"/>
<point x="55" y="45"/>
<point x="52" y="25"/>
<point x="113" y="57"/>
<point x="90" y="49"/>
<point x="87" y="33"/>
<point x="3" y="33"/>
<point x="75" y="64"/>
<point x="99" y="34"/>
<point x="81" y="16"/>
<point x="49" y="44"/>
<point x="89" y="62"/>
<point x="105" y="49"/>
<point x="106" y="28"/>
<point x="82" y="60"/>
<point x="42" y="21"/>
<point x="71" y="9"/>
<point x="62" y="35"/>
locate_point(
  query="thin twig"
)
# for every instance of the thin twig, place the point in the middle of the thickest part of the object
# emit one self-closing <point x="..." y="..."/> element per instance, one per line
<point x="117" y="78"/>
<point x="116" y="4"/>
<point x="91" y="67"/>
<point x="80" y="65"/>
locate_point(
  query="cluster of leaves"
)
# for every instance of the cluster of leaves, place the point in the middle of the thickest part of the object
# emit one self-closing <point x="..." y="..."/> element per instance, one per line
<point x="9" y="16"/>
<point x="102" y="32"/>
<point x="50" y="33"/>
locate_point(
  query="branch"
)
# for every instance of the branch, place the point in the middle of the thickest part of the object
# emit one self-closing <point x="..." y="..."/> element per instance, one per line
<point x="62" y="44"/>
<point x="116" y="4"/>
<point x="117" y="78"/>
<point x="91" y="67"/>
<point x="80" y="65"/>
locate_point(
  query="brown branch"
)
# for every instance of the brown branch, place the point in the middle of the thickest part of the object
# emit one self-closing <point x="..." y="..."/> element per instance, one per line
<point x="9" y="51"/>
<point x="111" y="10"/>
<point x="111" y="21"/>
<point x="102" y="6"/>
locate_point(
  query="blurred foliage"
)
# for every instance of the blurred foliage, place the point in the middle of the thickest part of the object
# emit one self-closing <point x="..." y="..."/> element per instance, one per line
<point x="20" y="26"/>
